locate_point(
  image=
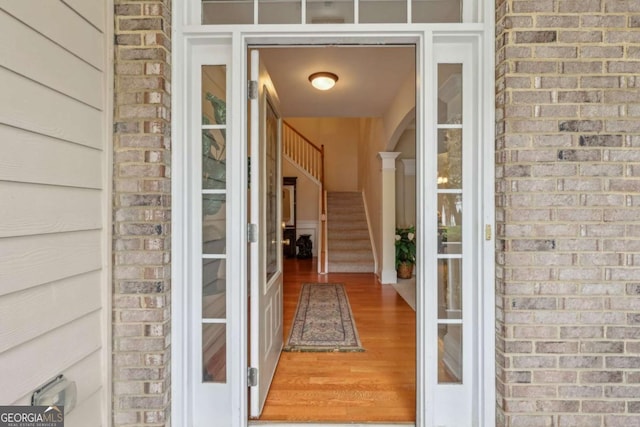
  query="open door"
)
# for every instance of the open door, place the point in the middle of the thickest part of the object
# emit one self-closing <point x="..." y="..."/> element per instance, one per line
<point x="266" y="334"/>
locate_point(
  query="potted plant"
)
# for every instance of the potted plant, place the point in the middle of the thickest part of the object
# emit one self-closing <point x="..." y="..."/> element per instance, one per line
<point x="405" y="251"/>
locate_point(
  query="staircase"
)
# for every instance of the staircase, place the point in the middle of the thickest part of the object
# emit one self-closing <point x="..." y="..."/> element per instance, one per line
<point x="348" y="243"/>
<point x="310" y="159"/>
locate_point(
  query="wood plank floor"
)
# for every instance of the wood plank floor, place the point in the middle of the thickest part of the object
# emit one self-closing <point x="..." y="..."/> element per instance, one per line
<point x="375" y="385"/>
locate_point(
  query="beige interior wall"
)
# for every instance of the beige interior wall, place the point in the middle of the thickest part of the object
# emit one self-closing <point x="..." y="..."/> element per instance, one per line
<point x="405" y="184"/>
<point x="400" y="113"/>
<point x="306" y="193"/>
<point x="370" y="175"/>
<point x="340" y="138"/>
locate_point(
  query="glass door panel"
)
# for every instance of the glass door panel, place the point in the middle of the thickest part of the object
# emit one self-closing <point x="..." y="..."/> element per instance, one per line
<point x="450" y="220"/>
<point x="227" y="12"/>
<point x="214" y="350"/>
<point x="382" y="11"/>
<point x="425" y="11"/>
<point x="214" y="222"/>
<point x="272" y="187"/>
<point x="450" y="354"/>
<point x="279" y="11"/>
<point x="330" y="12"/>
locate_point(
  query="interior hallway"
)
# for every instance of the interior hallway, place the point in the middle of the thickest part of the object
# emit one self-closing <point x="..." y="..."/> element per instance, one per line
<point x="375" y="385"/>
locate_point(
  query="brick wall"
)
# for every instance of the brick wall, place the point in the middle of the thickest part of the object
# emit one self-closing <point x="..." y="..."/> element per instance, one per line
<point x="141" y="214"/>
<point x="568" y="197"/>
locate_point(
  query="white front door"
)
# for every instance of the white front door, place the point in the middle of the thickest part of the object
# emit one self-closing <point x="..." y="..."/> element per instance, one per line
<point x="266" y="247"/>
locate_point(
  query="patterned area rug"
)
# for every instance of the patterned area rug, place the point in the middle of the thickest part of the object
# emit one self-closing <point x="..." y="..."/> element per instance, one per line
<point x="323" y="320"/>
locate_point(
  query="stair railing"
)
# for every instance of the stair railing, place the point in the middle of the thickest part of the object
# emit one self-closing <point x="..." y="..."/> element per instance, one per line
<point x="310" y="158"/>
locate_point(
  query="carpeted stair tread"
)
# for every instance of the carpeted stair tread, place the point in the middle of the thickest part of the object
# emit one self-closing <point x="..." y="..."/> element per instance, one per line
<point x="350" y="267"/>
<point x="349" y="244"/>
<point x="346" y="227"/>
<point x="352" y="254"/>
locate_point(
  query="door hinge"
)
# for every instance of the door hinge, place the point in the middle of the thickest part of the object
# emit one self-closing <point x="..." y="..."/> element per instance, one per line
<point x="252" y="376"/>
<point x="252" y="233"/>
<point x="252" y="89"/>
<point x="487" y="232"/>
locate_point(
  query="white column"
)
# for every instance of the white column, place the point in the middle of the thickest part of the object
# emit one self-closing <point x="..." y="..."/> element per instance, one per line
<point x="388" y="273"/>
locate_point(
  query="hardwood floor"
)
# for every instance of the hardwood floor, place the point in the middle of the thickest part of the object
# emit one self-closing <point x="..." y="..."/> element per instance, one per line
<point x="375" y="385"/>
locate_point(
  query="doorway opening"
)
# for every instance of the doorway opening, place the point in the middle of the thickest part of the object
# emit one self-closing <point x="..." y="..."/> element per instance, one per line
<point x="449" y="200"/>
<point x="375" y="83"/>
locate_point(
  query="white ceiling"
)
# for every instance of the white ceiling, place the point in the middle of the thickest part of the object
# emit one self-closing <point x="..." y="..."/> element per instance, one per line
<point x="368" y="78"/>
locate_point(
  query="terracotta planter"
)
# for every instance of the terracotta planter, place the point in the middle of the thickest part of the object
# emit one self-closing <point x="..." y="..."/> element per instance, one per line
<point x="405" y="270"/>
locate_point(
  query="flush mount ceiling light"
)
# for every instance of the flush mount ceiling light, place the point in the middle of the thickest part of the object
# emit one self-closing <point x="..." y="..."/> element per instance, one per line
<point x="323" y="80"/>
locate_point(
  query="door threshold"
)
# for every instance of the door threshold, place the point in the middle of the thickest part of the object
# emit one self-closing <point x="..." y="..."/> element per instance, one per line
<point x="328" y="424"/>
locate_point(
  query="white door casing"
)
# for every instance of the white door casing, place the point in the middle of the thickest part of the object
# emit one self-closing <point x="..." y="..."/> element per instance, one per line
<point x="433" y="399"/>
<point x="266" y="329"/>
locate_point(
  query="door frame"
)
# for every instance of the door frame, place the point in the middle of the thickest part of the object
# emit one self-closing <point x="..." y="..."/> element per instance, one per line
<point x="241" y="39"/>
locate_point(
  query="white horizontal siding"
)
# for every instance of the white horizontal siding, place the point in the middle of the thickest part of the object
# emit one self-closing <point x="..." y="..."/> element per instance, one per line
<point x="28" y="53"/>
<point x="38" y="159"/>
<point x="31" y="106"/>
<point x="86" y="414"/>
<point x="37" y="209"/>
<point x="76" y="35"/>
<point x="35" y="260"/>
<point x="88" y="369"/>
<point x="90" y="400"/>
<point x="31" y="364"/>
<point x="91" y="10"/>
<point x="79" y="295"/>
<point x="54" y="194"/>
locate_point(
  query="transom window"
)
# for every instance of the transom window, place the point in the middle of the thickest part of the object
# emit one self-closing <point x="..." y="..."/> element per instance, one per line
<point x="228" y="12"/>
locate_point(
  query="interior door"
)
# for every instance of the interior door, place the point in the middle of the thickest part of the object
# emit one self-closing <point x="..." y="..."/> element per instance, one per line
<point x="266" y="335"/>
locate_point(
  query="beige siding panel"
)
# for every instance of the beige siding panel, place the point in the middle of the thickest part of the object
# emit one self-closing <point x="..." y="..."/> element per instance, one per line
<point x="38" y="209"/>
<point x="87" y="413"/>
<point x="21" y="313"/>
<point x="53" y="252"/>
<point x="29" y="54"/>
<point x="35" y="158"/>
<point x="76" y="35"/>
<point x="27" y="366"/>
<point x="91" y="10"/>
<point x="35" y="260"/>
<point x="88" y="377"/>
<point x="42" y="110"/>
<point x="86" y="373"/>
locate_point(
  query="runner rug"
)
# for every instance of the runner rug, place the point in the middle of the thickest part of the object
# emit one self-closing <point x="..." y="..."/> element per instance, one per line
<point x="323" y="320"/>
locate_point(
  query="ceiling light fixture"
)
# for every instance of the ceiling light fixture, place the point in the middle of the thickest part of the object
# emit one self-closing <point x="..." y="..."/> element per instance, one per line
<point x="323" y="80"/>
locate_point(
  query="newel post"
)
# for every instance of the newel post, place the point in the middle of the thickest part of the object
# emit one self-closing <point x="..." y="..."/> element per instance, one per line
<point x="388" y="273"/>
